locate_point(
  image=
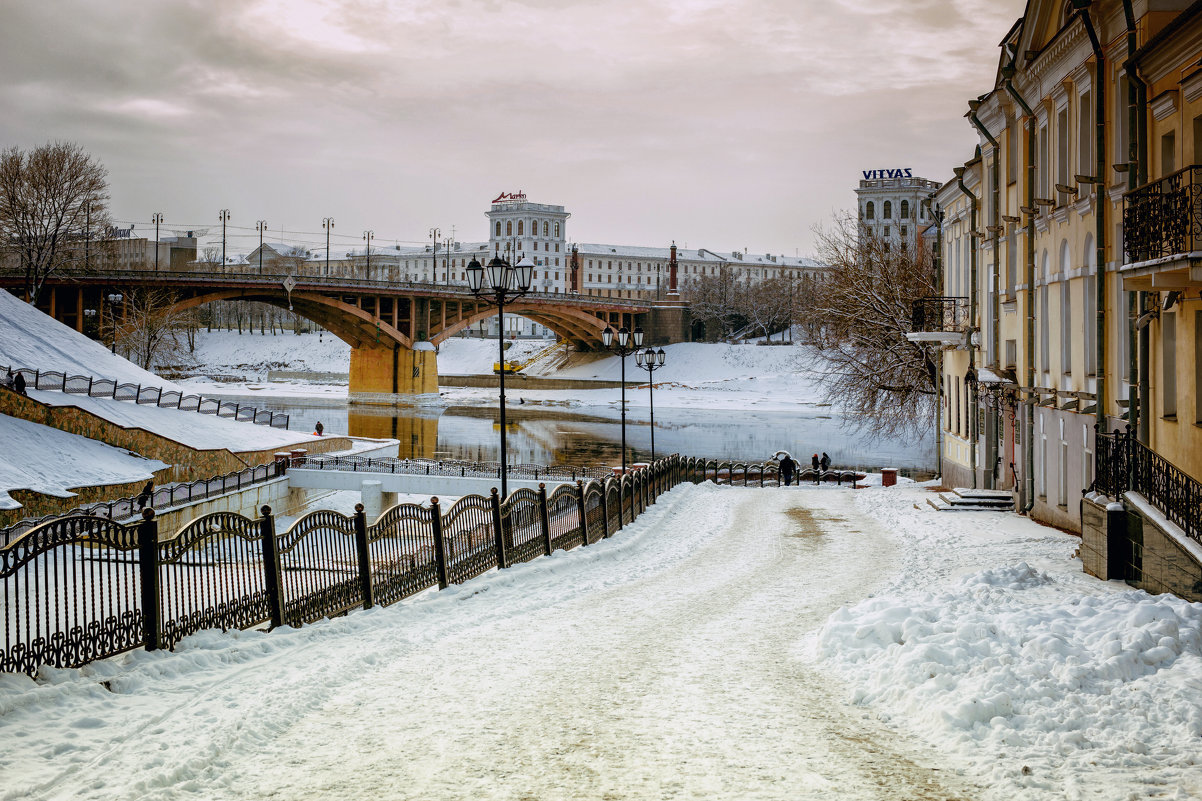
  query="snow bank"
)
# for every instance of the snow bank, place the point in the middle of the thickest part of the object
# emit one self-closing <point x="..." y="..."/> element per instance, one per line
<point x="52" y="462"/>
<point x="998" y="664"/>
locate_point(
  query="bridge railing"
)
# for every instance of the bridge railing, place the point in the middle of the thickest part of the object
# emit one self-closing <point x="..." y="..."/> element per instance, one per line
<point x="447" y="467"/>
<point x="228" y="571"/>
<point x="170" y="399"/>
<point x="160" y="498"/>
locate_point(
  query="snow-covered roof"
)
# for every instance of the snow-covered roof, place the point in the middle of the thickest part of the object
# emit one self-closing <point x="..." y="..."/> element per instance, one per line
<point x="700" y="254"/>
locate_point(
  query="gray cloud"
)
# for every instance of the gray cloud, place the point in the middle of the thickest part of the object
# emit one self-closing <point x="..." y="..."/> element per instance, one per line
<point x="723" y="123"/>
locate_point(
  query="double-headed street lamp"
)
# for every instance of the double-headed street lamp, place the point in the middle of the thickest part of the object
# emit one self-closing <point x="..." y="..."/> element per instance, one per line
<point x="114" y="299"/>
<point x="651" y="360"/>
<point x="626" y="343"/>
<point x="505" y="282"/>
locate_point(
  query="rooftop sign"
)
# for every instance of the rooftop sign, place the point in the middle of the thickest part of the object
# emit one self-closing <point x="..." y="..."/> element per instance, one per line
<point x="871" y="175"/>
<point x="511" y="197"/>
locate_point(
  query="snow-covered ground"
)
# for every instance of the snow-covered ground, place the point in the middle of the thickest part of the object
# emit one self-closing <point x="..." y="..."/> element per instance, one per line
<point x="694" y="375"/>
<point x="730" y="643"/>
<point x="51" y="461"/>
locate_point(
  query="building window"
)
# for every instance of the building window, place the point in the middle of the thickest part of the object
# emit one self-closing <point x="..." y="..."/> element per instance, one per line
<point x="1013" y="149"/>
<point x="1168" y="153"/>
<point x="886" y="230"/>
<point x="556" y="230"/>
<point x="1066" y="313"/>
<point x="520" y="227"/>
<point x="904" y="231"/>
<point x="509" y="228"/>
<point x="1062" y="158"/>
<point x="1086" y="132"/>
<point x="1198" y="367"/>
<point x="905" y="212"/>
<point x="498" y="227"/>
<point x="888" y="210"/>
<point x="1089" y="294"/>
<point x="870" y="211"/>
<point x="545" y="226"/>
<point x="1168" y="363"/>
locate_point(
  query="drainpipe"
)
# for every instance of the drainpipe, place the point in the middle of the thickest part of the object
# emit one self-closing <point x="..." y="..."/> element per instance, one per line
<point x="973" y="434"/>
<point x="1029" y="439"/>
<point x="1099" y="214"/>
<point x="1137" y="175"/>
<point x="991" y="420"/>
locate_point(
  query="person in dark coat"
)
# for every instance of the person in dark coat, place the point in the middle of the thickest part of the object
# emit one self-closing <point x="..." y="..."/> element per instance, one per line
<point x="825" y="462"/>
<point x="19" y="383"/>
<point x="144" y="495"/>
<point x="787" y="466"/>
<point x="317" y="429"/>
<point x="817" y="473"/>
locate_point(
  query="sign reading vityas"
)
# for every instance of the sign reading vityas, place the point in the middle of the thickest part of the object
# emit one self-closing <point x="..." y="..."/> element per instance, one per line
<point x="900" y="172"/>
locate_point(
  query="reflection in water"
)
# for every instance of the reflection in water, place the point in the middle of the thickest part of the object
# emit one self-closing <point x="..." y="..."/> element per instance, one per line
<point x="553" y="435"/>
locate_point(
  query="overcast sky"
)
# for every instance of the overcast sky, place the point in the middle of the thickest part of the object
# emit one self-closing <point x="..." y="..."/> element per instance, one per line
<point x="716" y="123"/>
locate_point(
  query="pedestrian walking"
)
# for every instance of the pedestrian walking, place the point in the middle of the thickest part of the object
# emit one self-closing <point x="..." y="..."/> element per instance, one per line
<point x="144" y="495"/>
<point x="787" y="467"/>
<point x="19" y="383"/>
<point x="317" y="429"/>
<point x="825" y="462"/>
<point x="817" y="473"/>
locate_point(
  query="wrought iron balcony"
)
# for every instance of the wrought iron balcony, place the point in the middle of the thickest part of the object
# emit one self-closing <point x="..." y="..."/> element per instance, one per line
<point x="1163" y="218"/>
<point x="939" y="319"/>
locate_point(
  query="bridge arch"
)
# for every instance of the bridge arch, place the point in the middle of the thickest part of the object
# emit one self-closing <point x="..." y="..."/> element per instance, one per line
<point x="354" y="326"/>
<point x="574" y="325"/>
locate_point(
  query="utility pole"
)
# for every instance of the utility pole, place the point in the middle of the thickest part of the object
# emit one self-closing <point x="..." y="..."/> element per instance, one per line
<point x="87" y="235"/>
<point x="223" y="216"/>
<point x="328" y="224"/>
<point x="368" y="236"/>
<point x="157" y="219"/>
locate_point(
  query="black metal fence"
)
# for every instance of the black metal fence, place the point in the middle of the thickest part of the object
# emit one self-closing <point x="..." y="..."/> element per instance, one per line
<point x="160" y="498"/>
<point x="939" y="314"/>
<point x="1124" y="464"/>
<point x="1164" y="217"/>
<point x="447" y="467"/>
<point x="81" y="588"/>
<point x="171" y="399"/>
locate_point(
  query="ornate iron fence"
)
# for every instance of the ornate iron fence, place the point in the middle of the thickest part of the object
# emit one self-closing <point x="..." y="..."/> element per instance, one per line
<point x="447" y="467"/>
<point x="81" y="588"/>
<point x="1164" y="217"/>
<point x="939" y="314"/>
<point x="171" y="399"/>
<point x="1124" y="464"/>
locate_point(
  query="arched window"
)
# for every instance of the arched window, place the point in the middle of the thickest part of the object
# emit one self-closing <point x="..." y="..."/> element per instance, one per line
<point x="545" y="227"/>
<point x="498" y="227"/>
<point x="888" y="210"/>
<point x="509" y="228"/>
<point x="520" y="227"/>
<point x="870" y="211"/>
<point x="556" y="230"/>
<point x="905" y="210"/>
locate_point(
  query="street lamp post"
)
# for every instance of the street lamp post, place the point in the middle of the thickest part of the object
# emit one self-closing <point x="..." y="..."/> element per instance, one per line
<point x="434" y="232"/>
<point x="624" y="344"/>
<point x="368" y="236"/>
<point x="651" y="360"/>
<point x="157" y="219"/>
<point x="114" y="299"/>
<point x="261" y="227"/>
<point x="224" y="216"/>
<point x="328" y="224"/>
<point x="505" y="283"/>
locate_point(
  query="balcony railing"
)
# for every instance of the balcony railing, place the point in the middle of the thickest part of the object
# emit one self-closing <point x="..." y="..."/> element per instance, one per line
<point x="1163" y="218"/>
<point x="1124" y="464"/>
<point x="939" y="314"/>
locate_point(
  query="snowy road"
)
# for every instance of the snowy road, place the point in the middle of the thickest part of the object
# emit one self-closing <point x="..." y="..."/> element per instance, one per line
<point x="647" y="666"/>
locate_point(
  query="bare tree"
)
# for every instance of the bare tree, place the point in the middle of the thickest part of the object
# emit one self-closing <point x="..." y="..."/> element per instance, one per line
<point x="862" y="312"/>
<point x="713" y="300"/>
<point x="153" y="330"/>
<point x="53" y="205"/>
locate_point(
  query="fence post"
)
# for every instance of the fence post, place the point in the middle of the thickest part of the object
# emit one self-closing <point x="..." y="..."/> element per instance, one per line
<point x="148" y="569"/>
<point x="271" y="567"/>
<point x="621" y="501"/>
<point x="544" y="518"/>
<point x="580" y="511"/>
<point x="498" y="534"/>
<point x="364" y="556"/>
<point x="604" y="509"/>
<point x="440" y="545"/>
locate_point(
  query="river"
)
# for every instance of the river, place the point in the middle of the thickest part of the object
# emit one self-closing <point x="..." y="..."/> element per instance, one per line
<point x="554" y="434"/>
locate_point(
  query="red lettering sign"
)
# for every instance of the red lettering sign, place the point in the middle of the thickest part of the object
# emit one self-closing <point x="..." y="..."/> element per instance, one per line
<point x="511" y="197"/>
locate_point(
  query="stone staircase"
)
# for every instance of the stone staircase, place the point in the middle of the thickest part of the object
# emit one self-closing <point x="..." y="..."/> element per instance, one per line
<point x="973" y="500"/>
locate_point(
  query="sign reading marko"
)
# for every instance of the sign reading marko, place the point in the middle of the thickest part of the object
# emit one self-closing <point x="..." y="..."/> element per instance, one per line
<point x="900" y="172"/>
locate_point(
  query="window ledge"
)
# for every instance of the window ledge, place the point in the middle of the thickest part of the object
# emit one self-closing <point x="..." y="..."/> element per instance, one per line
<point x="1171" y="418"/>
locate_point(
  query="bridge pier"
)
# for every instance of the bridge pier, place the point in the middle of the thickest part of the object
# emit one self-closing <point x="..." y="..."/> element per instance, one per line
<point x="393" y="375"/>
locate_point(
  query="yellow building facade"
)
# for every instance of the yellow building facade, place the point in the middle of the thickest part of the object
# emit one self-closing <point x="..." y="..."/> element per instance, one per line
<point x="1049" y="345"/>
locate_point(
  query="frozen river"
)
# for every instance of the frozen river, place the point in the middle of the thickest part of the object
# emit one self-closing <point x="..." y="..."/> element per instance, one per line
<point x="643" y="667"/>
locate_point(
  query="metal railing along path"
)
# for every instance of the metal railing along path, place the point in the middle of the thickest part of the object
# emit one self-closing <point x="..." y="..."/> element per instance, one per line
<point x="1124" y="464"/>
<point x="85" y="587"/>
<point x="93" y="387"/>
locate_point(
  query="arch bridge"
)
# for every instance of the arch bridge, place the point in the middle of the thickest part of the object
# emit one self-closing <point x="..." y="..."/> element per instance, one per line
<point x="393" y="327"/>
